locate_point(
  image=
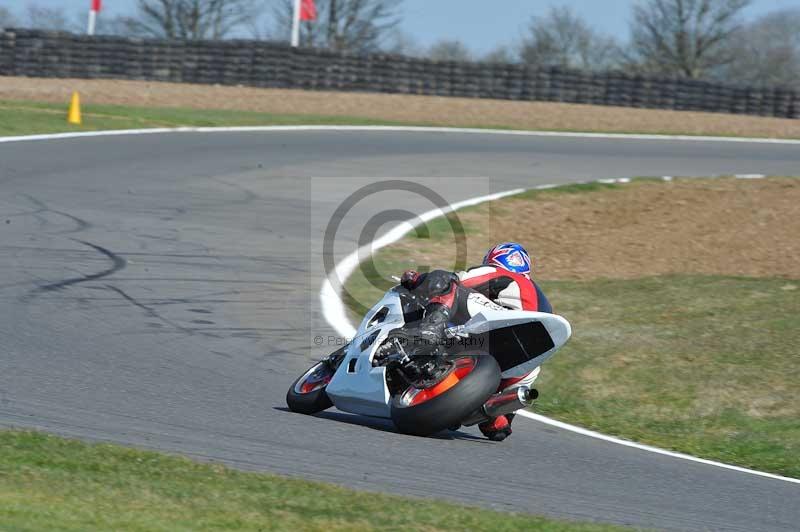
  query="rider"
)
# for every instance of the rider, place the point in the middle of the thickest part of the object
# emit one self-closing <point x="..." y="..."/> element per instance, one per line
<point x="503" y="278"/>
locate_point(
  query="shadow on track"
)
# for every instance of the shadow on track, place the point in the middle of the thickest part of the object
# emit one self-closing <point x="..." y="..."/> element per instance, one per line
<point x="384" y="425"/>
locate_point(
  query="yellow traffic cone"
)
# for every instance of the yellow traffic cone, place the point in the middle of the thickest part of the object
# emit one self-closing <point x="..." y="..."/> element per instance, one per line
<point x="74" y="114"/>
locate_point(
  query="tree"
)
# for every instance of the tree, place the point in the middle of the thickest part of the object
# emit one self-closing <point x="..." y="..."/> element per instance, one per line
<point x="683" y="37"/>
<point x="7" y="20"/>
<point x="342" y="25"/>
<point x="400" y="42"/>
<point x="51" y="18"/>
<point x="562" y="38"/>
<point x="449" y="50"/>
<point x="187" y="19"/>
<point x="501" y="54"/>
<point x="766" y="51"/>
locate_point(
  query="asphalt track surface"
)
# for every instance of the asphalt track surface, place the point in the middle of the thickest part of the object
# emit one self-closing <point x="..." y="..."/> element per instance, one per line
<point x="161" y="291"/>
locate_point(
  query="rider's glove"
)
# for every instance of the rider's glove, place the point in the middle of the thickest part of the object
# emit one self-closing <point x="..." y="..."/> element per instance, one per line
<point x="410" y="279"/>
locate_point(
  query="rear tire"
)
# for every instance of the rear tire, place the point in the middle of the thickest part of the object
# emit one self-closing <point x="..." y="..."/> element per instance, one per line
<point x="451" y="407"/>
<point x="311" y="401"/>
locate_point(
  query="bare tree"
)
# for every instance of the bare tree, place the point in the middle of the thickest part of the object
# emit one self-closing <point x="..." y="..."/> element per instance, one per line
<point x="51" y="18"/>
<point x="7" y="20"/>
<point x="500" y="54"/>
<point x="562" y="38"/>
<point x="342" y="25"/>
<point x="449" y="50"/>
<point x="400" y="42"/>
<point x="766" y="51"/>
<point x="187" y="19"/>
<point x="683" y="37"/>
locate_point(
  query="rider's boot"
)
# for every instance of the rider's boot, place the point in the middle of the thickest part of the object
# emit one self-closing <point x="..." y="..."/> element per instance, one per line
<point x="497" y="429"/>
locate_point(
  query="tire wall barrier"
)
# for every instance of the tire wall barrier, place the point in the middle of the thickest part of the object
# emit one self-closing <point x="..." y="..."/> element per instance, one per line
<point x="49" y="54"/>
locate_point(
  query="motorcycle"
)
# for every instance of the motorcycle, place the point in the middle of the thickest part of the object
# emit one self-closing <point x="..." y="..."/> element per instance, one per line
<point x="427" y="388"/>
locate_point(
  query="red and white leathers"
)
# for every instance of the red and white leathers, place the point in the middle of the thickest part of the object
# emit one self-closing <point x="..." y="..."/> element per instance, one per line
<point x="513" y="291"/>
<point x="454" y="298"/>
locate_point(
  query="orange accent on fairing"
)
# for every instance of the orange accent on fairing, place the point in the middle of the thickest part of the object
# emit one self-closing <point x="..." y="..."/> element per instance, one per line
<point x="445" y="384"/>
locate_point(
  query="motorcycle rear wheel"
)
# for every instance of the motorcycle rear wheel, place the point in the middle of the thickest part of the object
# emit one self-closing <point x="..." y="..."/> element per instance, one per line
<point x="463" y="390"/>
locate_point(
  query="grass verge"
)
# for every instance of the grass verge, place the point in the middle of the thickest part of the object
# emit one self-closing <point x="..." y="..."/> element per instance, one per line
<point x="47" y="482"/>
<point x="706" y="365"/>
<point x="702" y="364"/>
<point x="399" y="108"/>
<point x="29" y="118"/>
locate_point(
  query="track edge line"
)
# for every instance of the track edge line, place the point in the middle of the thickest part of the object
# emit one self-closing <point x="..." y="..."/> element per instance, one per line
<point x="418" y="129"/>
<point x="333" y="308"/>
<point x="336" y="316"/>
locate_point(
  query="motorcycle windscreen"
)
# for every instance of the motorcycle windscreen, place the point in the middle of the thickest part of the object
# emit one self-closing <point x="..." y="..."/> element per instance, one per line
<point x="518" y="344"/>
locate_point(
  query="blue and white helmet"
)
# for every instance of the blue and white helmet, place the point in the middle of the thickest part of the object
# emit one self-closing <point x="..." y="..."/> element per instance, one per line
<point x="509" y="256"/>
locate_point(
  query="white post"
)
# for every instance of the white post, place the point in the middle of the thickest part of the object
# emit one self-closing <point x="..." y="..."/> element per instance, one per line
<point x="296" y="24"/>
<point x="92" y="22"/>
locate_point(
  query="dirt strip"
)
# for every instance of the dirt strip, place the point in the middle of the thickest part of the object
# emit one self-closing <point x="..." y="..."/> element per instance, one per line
<point x="423" y="110"/>
<point x="707" y="226"/>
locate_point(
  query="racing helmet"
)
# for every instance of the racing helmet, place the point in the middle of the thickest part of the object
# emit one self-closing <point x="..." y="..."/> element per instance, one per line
<point x="509" y="256"/>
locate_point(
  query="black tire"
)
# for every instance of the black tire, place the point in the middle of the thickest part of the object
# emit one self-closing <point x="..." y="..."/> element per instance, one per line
<point x="310" y="402"/>
<point x="451" y="407"/>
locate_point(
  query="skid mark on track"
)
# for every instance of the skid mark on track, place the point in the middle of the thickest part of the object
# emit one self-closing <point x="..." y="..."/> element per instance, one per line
<point x="248" y="196"/>
<point x="80" y="223"/>
<point x="117" y="264"/>
<point x="152" y="313"/>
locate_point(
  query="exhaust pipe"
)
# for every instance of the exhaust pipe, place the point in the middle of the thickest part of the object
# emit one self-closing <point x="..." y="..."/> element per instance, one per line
<point x="503" y="403"/>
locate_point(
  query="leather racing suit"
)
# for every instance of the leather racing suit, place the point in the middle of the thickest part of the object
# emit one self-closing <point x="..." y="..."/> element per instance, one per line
<point x="452" y="298"/>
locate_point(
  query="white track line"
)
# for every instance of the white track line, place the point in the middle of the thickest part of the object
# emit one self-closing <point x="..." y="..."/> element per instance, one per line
<point x="335" y="314"/>
<point x="333" y="308"/>
<point x="507" y="132"/>
<point x="627" y="443"/>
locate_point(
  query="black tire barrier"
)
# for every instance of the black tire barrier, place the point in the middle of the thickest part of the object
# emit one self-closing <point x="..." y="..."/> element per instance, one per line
<point x="49" y="54"/>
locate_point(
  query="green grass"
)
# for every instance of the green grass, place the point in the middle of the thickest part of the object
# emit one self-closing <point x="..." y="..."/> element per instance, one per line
<point x="578" y="188"/>
<point x="706" y="365"/>
<point x="49" y="483"/>
<point x="575" y="188"/>
<point x="28" y="118"/>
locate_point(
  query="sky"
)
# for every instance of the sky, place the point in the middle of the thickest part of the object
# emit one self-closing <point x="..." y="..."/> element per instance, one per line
<point x="481" y="24"/>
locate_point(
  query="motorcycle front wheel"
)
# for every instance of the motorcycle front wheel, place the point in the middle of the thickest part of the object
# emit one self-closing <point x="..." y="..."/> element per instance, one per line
<point x="471" y="379"/>
<point x="307" y="394"/>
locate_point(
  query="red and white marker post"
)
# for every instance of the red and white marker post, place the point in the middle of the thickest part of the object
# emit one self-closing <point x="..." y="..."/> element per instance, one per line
<point x="304" y="10"/>
<point x="96" y="4"/>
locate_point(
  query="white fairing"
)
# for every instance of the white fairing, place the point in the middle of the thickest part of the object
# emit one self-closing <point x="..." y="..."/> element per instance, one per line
<point x="357" y="386"/>
<point x="360" y="388"/>
<point x="490" y="319"/>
